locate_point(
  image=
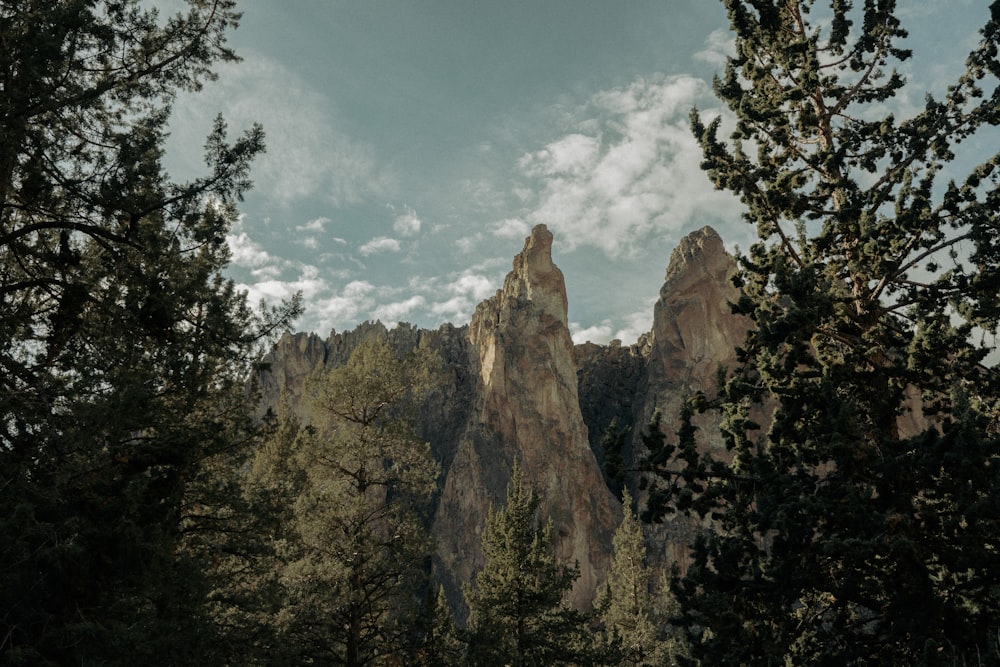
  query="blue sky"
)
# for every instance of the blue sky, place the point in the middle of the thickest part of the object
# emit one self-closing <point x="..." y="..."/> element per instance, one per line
<point x="413" y="144"/>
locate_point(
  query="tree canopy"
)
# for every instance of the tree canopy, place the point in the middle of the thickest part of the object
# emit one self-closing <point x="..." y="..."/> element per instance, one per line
<point x="355" y="486"/>
<point x="634" y="607"/>
<point x="124" y="348"/>
<point x="857" y="521"/>
<point x="519" y="614"/>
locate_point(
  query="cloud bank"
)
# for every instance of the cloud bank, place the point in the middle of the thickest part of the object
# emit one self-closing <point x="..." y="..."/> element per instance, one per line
<point x="306" y="155"/>
<point x="629" y="172"/>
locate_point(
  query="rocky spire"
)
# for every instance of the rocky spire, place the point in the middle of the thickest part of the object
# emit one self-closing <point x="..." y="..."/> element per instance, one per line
<point x="526" y="408"/>
<point x="694" y="329"/>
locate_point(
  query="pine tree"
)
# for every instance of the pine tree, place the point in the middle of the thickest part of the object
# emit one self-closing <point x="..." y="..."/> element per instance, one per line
<point x="440" y="645"/>
<point x="123" y="348"/>
<point x="860" y="525"/>
<point x="235" y="528"/>
<point x="519" y="615"/>
<point x="358" y="483"/>
<point x="634" y="607"/>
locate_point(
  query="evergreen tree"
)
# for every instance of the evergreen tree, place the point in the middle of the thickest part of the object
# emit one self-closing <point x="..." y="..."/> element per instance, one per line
<point x="861" y="525"/>
<point x="440" y="645"/>
<point x="122" y="348"/>
<point x="358" y="483"/>
<point x="519" y="616"/>
<point x="235" y="529"/>
<point x="634" y="607"/>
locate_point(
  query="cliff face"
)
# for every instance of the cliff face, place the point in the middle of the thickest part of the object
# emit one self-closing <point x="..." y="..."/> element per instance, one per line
<point x="694" y="330"/>
<point x="694" y="334"/>
<point x="445" y="411"/>
<point x="516" y="388"/>
<point x="526" y="408"/>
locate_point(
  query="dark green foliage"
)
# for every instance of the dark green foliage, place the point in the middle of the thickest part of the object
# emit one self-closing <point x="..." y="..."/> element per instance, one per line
<point x="440" y="644"/>
<point x="635" y="608"/>
<point x="122" y="349"/>
<point x="519" y="616"/>
<point x="353" y="492"/>
<point x="860" y="524"/>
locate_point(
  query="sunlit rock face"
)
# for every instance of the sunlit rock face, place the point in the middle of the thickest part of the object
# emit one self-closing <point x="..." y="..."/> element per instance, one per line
<point x="694" y="329"/>
<point x="695" y="333"/>
<point x="526" y="408"/>
<point x="514" y="388"/>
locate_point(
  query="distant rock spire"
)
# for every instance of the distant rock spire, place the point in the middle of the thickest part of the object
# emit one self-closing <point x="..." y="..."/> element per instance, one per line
<point x="527" y="409"/>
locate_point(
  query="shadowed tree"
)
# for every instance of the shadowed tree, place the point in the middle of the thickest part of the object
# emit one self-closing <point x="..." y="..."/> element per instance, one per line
<point x="634" y="607"/>
<point x="519" y="614"/>
<point x="860" y="526"/>
<point x="124" y="350"/>
<point x="357" y="483"/>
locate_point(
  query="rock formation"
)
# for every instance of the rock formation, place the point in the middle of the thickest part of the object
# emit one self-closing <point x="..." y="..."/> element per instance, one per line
<point x="527" y="409"/>
<point x="694" y="334"/>
<point x="285" y="369"/>
<point x="515" y="388"/>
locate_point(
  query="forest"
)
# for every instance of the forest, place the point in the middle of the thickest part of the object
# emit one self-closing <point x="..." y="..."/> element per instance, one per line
<point x="151" y="516"/>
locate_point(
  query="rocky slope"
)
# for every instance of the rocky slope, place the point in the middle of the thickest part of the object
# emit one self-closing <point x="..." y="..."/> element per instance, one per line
<point x="517" y="389"/>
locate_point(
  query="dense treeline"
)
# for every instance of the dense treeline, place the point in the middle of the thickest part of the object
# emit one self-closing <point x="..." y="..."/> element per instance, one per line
<point x="124" y="350"/>
<point x="858" y="521"/>
<point x="339" y="574"/>
<point x="148" y="519"/>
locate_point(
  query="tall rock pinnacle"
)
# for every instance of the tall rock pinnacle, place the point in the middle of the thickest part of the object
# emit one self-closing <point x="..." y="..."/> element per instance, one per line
<point x="526" y="409"/>
<point x="694" y="329"/>
<point x="694" y="333"/>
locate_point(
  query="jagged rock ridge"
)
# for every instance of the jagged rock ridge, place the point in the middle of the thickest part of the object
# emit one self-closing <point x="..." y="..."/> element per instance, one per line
<point x="517" y="389"/>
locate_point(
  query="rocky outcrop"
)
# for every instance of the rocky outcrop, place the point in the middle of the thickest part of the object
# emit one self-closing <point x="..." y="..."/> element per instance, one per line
<point x="695" y="333"/>
<point x="283" y="372"/>
<point x="445" y="411"/>
<point x="527" y="409"/>
<point x="694" y="329"/>
<point x="514" y="388"/>
<point x="612" y="381"/>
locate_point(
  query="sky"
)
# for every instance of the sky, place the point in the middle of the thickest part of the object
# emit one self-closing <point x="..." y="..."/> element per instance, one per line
<point x="413" y="144"/>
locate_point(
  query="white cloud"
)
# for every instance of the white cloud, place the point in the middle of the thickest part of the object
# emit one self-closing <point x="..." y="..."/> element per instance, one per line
<point x="572" y="155"/>
<point x="719" y="45"/>
<point x="636" y="324"/>
<point x="246" y="252"/>
<point x="379" y="244"/>
<point x="313" y="225"/>
<point x="345" y="309"/>
<point x="266" y="272"/>
<point x="476" y="286"/>
<point x="636" y="175"/>
<point x="306" y="155"/>
<point x="456" y="309"/>
<point x="399" y="310"/>
<point x="467" y="290"/>
<point x="273" y="290"/>
<point x="598" y="333"/>
<point x="628" y="332"/>
<point x="407" y="223"/>
<point x="511" y="228"/>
